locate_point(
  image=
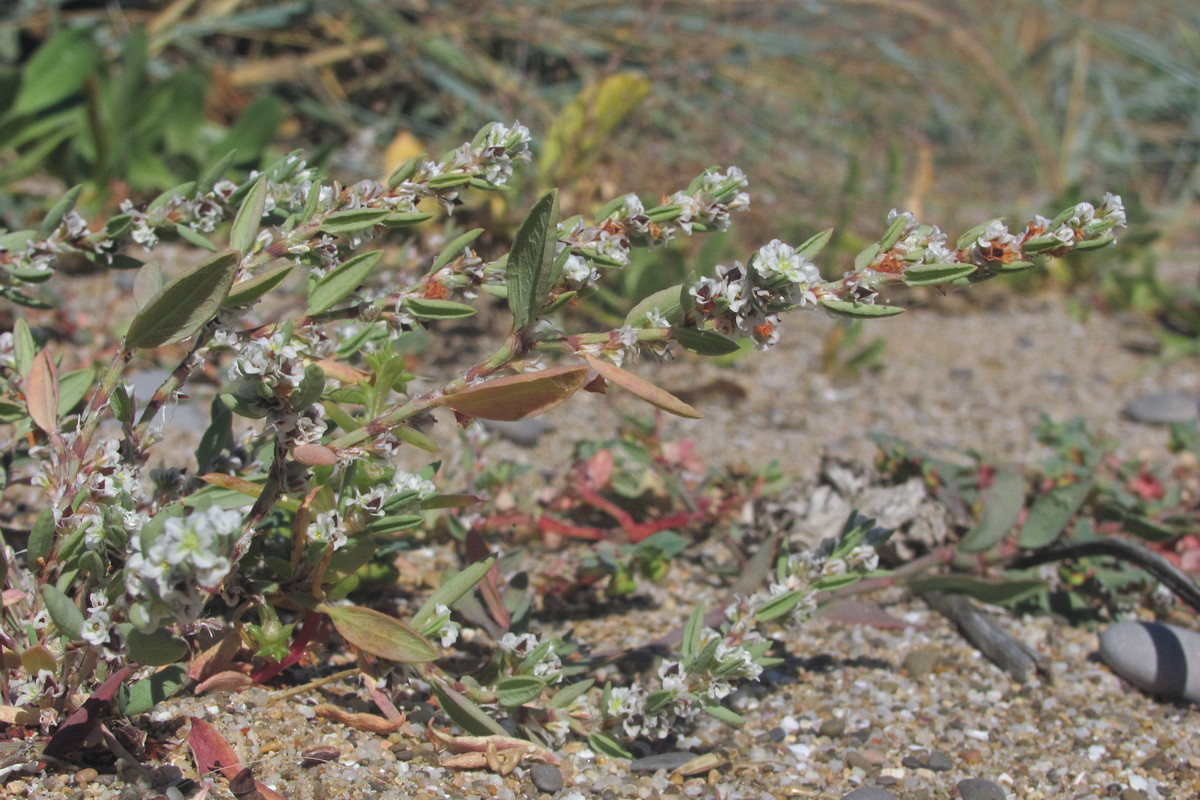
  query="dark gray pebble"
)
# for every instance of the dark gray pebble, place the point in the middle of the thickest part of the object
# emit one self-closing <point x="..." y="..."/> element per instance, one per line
<point x="938" y="762"/>
<point x="776" y="734"/>
<point x="546" y="778"/>
<point x="667" y="761"/>
<point x="1157" y="658"/>
<point x="981" y="789"/>
<point x="869" y="793"/>
<point x="1162" y="408"/>
<point x="911" y="762"/>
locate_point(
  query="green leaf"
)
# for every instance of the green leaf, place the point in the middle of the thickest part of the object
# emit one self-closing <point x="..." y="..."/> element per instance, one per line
<point x="145" y="694"/>
<point x="379" y="634"/>
<point x="517" y="690"/>
<point x="728" y="716"/>
<point x="1051" y="512"/>
<point x="192" y="237"/>
<point x="454" y="249"/>
<point x="247" y="223"/>
<point x="340" y="282"/>
<point x="66" y="615"/>
<point x="424" y="308"/>
<point x="705" y="343"/>
<point x="24" y="349"/>
<point x="968" y="239"/>
<point x="812" y="247"/>
<point x="41" y="539"/>
<point x="246" y="292"/>
<point x="310" y="388"/>
<point x="354" y="220"/>
<point x="993" y="592"/>
<point x="183" y="306"/>
<point x="564" y="697"/>
<point x="603" y="743"/>
<point x="155" y="649"/>
<point x="58" y="69"/>
<point x="54" y="216"/>
<point x="778" y="606"/>
<point x="1003" y="503"/>
<point x="410" y="435"/>
<point x="659" y="398"/>
<point x="848" y="308"/>
<point x="691" y="633"/>
<point x="73" y="387"/>
<point x="665" y="301"/>
<point x="121" y="404"/>
<point x="452" y="589"/>
<point x="933" y="274"/>
<point x="530" y="260"/>
<point x="517" y="396"/>
<point x="893" y="233"/>
<point x="1145" y="529"/>
<point x="468" y="716"/>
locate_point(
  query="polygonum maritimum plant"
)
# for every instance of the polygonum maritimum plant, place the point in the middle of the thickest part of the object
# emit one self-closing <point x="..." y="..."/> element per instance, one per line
<point x="130" y="566"/>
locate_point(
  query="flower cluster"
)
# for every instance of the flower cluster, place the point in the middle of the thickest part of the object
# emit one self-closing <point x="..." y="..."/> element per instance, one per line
<point x="270" y="375"/>
<point x="170" y="574"/>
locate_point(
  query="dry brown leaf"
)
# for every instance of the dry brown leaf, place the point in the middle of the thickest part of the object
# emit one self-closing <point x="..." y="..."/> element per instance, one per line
<point x="370" y="723"/>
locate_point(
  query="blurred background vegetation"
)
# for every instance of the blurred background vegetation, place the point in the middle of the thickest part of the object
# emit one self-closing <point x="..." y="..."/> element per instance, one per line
<point x="837" y="111"/>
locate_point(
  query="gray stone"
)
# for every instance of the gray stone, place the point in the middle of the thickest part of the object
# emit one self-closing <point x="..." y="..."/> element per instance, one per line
<point x="921" y="662"/>
<point x="546" y="778"/>
<point x="869" y="793"/>
<point x="939" y="762"/>
<point x="980" y="789"/>
<point x="1160" y="659"/>
<point x="667" y="761"/>
<point x="1162" y="408"/>
<point x="832" y="728"/>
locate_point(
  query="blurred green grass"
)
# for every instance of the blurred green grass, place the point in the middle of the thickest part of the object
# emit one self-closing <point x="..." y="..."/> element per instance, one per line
<point x="837" y="111"/>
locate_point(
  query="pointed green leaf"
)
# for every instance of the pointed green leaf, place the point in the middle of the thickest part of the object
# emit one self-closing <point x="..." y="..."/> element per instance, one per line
<point x="23" y="347"/>
<point x="184" y="305"/>
<point x="73" y="387"/>
<point x="517" y="690"/>
<point x="468" y="716"/>
<point x="728" y="716"/>
<point x="603" y="743"/>
<point x="452" y="589"/>
<point x="691" y="633"/>
<point x="933" y="274"/>
<point x="249" y="218"/>
<point x="454" y="249"/>
<point x="54" y="216"/>
<point x="247" y="292"/>
<point x="517" y="396"/>
<point x="847" y="308"/>
<point x="156" y="648"/>
<point x="192" y="237"/>
<point x="1051" y="512"/>
<point x="145" y="694"/>
<point x="424" y="308"/>
<point x="564" y="697"/>
<point x="341" y="281"/>
<point x="1003" y="503"/>
<point x="530" y="260"/>
<point x="409" y="435"/>
<point x="664" y="301"/>
<point x="379" y="634"/>
<point x="813" y="246"/>
<point x="41" y="538"/>
<point x="56" y="70"/>
<point x="66" y="615"/>
<point x="354" y="220"/>
<point x="705" y="343"/>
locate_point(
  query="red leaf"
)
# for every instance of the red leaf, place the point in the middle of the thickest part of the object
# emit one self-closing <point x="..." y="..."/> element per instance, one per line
<point x="517" y="396"/>
<point x="659" y="398"/>
<point x="41" y="393"/>
<point x="70" y="736"/>
<point x="213" y="754"/>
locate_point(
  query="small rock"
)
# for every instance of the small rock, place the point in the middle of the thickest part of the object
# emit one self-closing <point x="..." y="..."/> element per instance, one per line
<point x="1160" y="659"/>
<point x="1133" y="794"/>
<point x="86" y="776"/>
<point x="667" y="761"/>
<point x="1162" y="408"/>
<point x="869" y="793"/>
<point x="776" y="734"/>
<point x="320" y="755"/>
<point x="874" y="757"/>
<point x="911" y="762"/>
<point x="921" y="662"/>
<point x="857" y="759"/>
<point x="980" y="789"/>
<point x="546" y="778"/>
<point x="939" y="762"/>
<point x="129" y="793"/>
<point x="832" y="728"/>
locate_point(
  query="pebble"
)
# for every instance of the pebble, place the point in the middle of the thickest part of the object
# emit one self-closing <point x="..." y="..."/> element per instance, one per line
<point x="86" y="776"/>
<point x="939" y="762"/>
<point x="546" y="778"/>
<point x="870" y="793"/>
<point x="1162" y="408"/>
<point x="832" y="728"/>
<point x="1160" y="659"/>
<point x="667" y="761"/>
<point x="980" y="789"/>
<point x="1133" y="794"/>
<point x="921" y="662"/>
